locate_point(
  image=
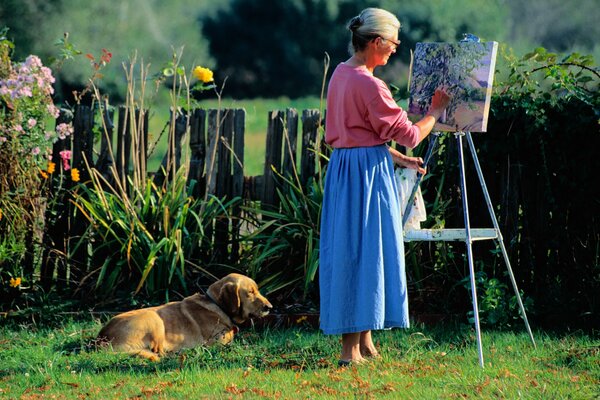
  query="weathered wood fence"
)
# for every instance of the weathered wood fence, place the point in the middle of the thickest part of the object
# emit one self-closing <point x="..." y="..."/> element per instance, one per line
<point x="216" y="140"/>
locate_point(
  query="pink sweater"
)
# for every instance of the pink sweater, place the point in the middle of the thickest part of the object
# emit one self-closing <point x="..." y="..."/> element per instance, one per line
<point x="361" y="111"/>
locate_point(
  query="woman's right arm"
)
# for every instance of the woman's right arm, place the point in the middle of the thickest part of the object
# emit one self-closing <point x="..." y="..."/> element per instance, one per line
<point x="439" y="102"/>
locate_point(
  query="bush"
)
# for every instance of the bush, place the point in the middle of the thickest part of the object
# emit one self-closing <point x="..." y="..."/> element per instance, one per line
<point x="27" y="135"/>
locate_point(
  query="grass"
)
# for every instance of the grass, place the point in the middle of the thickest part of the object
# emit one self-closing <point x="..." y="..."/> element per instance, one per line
<point x="256" y="127"/>
<point x="42" y="362"/>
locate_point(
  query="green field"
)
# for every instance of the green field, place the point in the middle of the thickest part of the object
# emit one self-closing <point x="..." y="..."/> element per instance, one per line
<point x="256" y="127"/>
<point x="39" y="362"/>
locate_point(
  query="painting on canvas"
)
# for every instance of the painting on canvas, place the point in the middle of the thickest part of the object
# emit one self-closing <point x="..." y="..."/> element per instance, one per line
<point x="466" y="71"/>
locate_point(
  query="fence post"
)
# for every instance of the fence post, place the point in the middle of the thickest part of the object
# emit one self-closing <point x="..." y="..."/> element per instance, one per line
<point x="105" y="160"/>
<point x="172" y="160"/>
<point x="272" y="158"/>
<point x="140" y="144"/>
<point x="290" y="144"/>
<point x="56" y="218"/>
<point x="83" y="141"/>
<point x="211" y="159"/>
<point x="237" y="184"/>
<point x="198" y="151"/>
<point x="224" y="179"/>
<point x="123" y="145"/>
<point x="311" y="121"/>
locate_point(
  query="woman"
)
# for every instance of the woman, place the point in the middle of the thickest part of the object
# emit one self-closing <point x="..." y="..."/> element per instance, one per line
<point x="361" y="273"/>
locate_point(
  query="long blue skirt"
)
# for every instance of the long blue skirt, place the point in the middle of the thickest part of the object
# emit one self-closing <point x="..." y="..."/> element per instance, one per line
<point x="361" y="272"/>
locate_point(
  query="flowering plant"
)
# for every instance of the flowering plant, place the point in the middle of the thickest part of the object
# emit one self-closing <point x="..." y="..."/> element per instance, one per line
<point x="26" y="94"/>
<point x="27" y="134"/>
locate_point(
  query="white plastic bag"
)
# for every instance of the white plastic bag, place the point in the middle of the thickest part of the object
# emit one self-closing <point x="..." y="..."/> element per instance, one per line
<point x="406" y="178"/>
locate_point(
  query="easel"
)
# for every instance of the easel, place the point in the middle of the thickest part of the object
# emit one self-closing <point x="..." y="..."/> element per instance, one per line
<point x="467" y="234"/>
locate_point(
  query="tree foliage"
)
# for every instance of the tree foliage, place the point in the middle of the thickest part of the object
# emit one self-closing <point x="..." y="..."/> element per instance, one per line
<point x="273" y="49"/>
<point x="267" y="48"/>
<point x="151" y="29"/>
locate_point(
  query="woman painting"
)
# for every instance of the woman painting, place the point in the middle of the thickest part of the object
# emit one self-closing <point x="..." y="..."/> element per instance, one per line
<point x="361" y="273"/>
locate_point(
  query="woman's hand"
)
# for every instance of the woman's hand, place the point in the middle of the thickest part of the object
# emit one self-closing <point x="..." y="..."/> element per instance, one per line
<point x="406" y="161"/>
<point x="439" y="102"/>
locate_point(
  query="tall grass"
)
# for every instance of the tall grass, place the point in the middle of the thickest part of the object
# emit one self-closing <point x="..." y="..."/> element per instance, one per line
<point x="300" y="363"/>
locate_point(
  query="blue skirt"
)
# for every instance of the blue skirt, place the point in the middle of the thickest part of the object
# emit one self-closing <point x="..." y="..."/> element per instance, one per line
<point x="361" y="272"/>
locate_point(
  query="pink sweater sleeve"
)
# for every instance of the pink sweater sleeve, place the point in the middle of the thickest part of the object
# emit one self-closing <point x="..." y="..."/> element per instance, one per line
<point x="389" y="120"/>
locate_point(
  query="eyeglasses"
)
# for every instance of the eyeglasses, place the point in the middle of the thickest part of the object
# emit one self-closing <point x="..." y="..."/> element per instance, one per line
<point x="396" y="44"/>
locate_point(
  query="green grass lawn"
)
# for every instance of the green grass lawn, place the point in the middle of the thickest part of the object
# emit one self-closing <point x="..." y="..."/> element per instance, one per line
<point x="256" y="127"/>
<point x="420" y="363"/>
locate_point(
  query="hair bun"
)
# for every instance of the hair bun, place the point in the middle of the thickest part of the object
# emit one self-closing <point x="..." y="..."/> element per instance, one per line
<point x="355" y="23"/>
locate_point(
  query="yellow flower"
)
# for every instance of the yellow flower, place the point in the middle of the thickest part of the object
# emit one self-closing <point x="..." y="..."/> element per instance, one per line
<point x="15" y="282"/>
<point x="75" y="174"/>
<point x="51" y="167"/>
<point x="203" y="74"/>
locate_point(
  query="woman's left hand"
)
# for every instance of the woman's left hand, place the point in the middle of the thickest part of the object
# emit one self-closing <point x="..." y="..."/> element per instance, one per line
<point x="407" y="162"/>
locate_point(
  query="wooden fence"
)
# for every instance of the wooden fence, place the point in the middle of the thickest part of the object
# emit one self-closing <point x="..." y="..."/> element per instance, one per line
<point x="216" y="137"/>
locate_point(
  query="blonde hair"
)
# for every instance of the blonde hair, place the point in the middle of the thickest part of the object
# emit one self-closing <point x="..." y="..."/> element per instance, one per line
<point x="370" y="24"/>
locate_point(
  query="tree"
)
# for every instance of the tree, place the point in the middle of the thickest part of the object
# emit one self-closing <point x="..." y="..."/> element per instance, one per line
<point x="267" y="48"/>
<point x="152" y="29"/>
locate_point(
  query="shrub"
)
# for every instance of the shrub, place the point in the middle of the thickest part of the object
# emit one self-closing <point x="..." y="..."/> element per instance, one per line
<point x="27" y="134"/>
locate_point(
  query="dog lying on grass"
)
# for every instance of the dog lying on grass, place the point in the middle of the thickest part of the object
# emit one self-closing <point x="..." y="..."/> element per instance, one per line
<point x="196" y="320"/>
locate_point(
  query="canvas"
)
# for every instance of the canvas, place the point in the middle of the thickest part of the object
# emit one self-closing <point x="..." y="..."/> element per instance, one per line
<point x="466" y="71"/>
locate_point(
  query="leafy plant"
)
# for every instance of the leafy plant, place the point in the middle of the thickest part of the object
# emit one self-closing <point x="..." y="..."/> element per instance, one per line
<point x="146" y="234"/>
<point x="285" y="244"/>
<point x="498" y="306"/>
<point x="146" y="242"/>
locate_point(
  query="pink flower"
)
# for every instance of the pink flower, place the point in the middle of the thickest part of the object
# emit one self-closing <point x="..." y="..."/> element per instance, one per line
<point x="35" y="151"/>
<point x="53" y="110"/>
<point x="65" y="155"/>
<point x="32" y="122"/>
<point x="64" y="130"/>
<point x="33" y="61"/>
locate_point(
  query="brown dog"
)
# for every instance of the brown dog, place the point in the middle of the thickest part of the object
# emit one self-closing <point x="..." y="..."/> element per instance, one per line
<point x="196" y="320"/>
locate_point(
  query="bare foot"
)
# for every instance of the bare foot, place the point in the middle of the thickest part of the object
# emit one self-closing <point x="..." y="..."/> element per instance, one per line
<point x="369" y="352"/>
<point x="351" y="349"/>
<point x="367" y="347"/>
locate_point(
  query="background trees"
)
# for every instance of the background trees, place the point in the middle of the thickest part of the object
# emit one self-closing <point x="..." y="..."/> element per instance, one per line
<point x="268" y="48"/>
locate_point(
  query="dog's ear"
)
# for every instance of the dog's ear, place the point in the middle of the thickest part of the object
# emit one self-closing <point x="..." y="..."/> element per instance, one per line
<point x="229" y="297"/>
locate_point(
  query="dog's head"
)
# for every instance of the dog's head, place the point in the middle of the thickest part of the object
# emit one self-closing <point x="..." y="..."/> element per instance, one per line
<point x="239" y="297"/>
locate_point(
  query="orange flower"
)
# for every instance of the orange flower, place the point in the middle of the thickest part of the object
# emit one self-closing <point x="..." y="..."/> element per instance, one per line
<point x="51" y="167"/>
<point x="75" y="174"/>
<point x="43" y="174"/>
<point x="15" y="282"/>
<point x="0" y="214"/>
